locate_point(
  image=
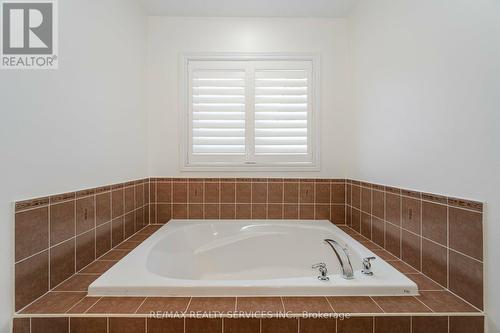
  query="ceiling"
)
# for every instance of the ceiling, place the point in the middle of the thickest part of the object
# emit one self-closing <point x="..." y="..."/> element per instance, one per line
<point x="250" y="8"/>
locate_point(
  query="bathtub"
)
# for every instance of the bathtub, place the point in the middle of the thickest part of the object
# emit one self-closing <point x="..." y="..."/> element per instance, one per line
<point x="247" y="258"/>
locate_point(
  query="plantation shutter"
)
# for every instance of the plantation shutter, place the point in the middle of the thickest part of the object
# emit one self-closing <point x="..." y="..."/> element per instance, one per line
<point x="250" y="112"/>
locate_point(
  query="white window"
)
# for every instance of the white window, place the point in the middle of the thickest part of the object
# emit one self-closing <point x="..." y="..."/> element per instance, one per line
<point x="250" y="113"/>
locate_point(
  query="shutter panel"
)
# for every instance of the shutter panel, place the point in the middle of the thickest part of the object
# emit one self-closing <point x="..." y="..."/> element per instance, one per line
<point x="281" y="112"/>
<point x="218" y="112"/>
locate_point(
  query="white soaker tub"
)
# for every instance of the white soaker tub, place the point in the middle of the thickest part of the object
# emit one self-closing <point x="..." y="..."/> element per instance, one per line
<point x="246" y="258"/>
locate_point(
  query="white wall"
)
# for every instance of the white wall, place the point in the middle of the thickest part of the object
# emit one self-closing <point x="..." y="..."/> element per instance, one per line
<point x="169" y="37"/>
<point x="427" y="105"/>
<point x="81" y="126"/>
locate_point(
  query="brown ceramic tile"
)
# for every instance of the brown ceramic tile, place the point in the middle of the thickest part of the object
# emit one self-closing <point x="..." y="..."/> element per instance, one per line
<point x="306" y="304"/>
<point x="423" y="282"/>
<point x="228" y="211"/>
<point x="466" y="324"/>
<point x="291" y="211"/>
<point x="62" y="262"/>
<point x="291" y="192"/>
<point x="139" y="237"/>
<point x="31" y="277"/>
<point x="412" y="215"/>
<point x="322" y="191"/>
<point x="212" y="192"/>
<point x="127" y="325"/>
<point x="275" y="211"/>
<point x="366" y="200"/>
<point x="29" y="204"/>
<point x="392" y="324"/>
<point x="85" y="214"/>
<point x="139" y="195"/>
<point x="243" y="325"/>
<point x="195" y="211"/>
<point x="128" y="245"/>
<point x="129" y="199"/>
<point x="467" y="204"/>
<point x="195" y="192"/>
<point x="280" y="325"/>
<point x="117" y="198"/>
<point x="165" y="325"/>
<point x="411" y="249"/>
<point x="103" y="239"/>
<point x="338" y="193"/>
<point x="49" y="325"/>
<point x="466" y="278"/>
<point x="129" y="223"/>
<point x="259" y="211"/>
<point x="164" y="212"/>
<point x="88" y="325"/>
<point x="21" y="325"/>
<point x="355" y="325"/>
<point x="117" y="305"/>
<point x="275" y="192"/>
<point x="366" y="225"/>
<point x="353" y="304"/>
<point x="180" y="192"/>
<point x="338" y="214"/>
<point x="306" y="193"/>
<point x="83" y="305"/>
<point x="385" y="255"/>
<point x="227" y="192"/>
<point x="356" y="196"/>
<point x="378" y="231"/>
<point x="32" y="232"/>
<point x="429" y="324"/>
<point x="85" y="249"/>
<point x="179" y="211"/>
<point x="243" y="211"/>
<point x="54" y="302"/>
<point x="317" y="325"/>
<point x="114" y="255"/>
<point x="403" y="267"/>
<point x="260" y="304"/>
<point x="306" y="212"/>
<point x="243" y="192"/>
<point x="435" y="261"/>
<point x="212" y="304"/>
<point x="378" y="204"/>
<point x="62" y="222"/>
<point x="434" y="222"/>
<point x="150" y="229"/>
<point x="400" y="304"/>
<point x="393" y="208"/>
<point x="322" y="212"/>
<point x="393" y="239"/>
<point x="259" y="192"/>
<point x="117" y="231"/>
<point x="356" y="220"/>
<point x="466" y="232"/>
<point x="444" y="301"/>
<point x="164" y="192"/>
<point x="164" y="304"/>
<point x="103" y="208"/>
<point x="78" y="282"/>
<point x="205" y="325"/>
<point x="211" y="211"/>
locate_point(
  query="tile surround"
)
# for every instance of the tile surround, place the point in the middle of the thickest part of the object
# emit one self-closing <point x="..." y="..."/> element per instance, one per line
<point x="434" y="235"/>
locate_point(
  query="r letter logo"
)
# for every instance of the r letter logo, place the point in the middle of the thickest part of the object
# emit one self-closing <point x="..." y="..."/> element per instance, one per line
<point x="29" y="34"/>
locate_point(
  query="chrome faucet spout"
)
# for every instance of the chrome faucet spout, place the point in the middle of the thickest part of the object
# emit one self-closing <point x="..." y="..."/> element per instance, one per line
<point x="343" y="258"/>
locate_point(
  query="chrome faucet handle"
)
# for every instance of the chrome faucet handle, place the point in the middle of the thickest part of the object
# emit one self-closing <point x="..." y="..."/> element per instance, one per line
<point x="367" y="266"/>
<point x="319" y="265"/>
<point x="323" y="271"/>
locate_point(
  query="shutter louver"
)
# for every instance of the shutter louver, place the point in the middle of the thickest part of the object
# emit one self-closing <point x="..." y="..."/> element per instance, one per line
<point x="281" y="112"/>
<point x="218" y="112"/>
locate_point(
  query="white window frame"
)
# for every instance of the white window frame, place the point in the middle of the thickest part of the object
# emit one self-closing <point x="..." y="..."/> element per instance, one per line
<point x="185" y="119"/>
